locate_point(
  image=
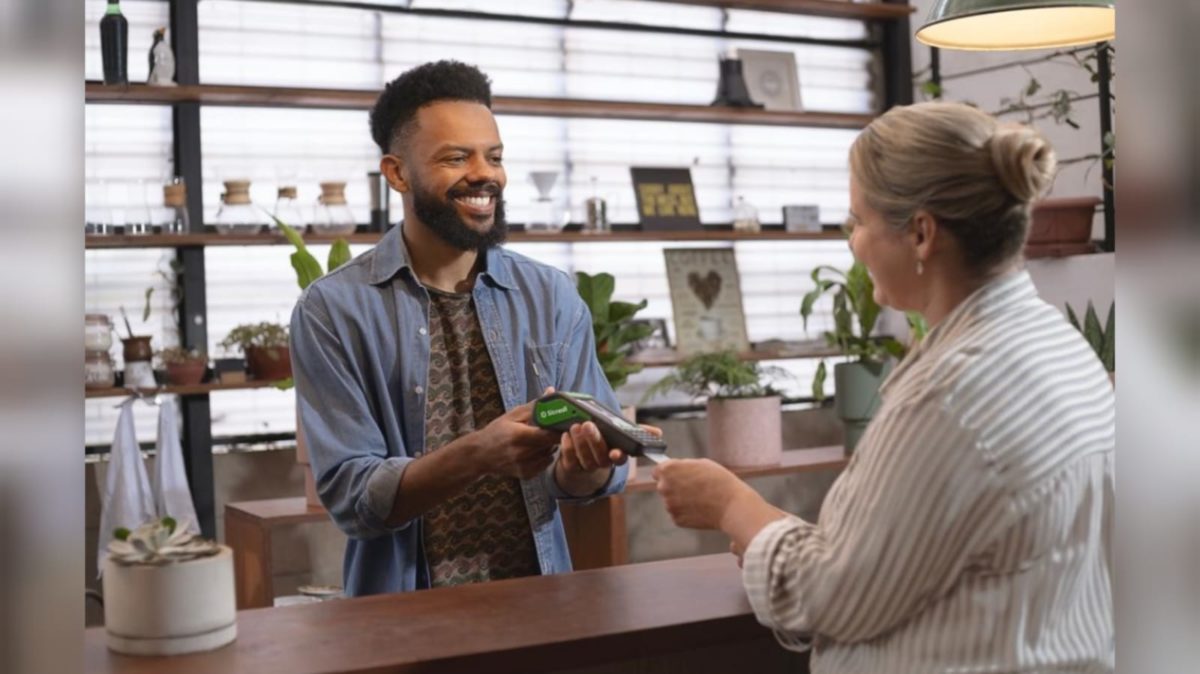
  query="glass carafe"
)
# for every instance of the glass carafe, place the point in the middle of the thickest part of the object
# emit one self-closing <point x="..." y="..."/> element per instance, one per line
<point x="332" y="217"/>
<point x="287" y="209"/>
<point x="238" y="214"/>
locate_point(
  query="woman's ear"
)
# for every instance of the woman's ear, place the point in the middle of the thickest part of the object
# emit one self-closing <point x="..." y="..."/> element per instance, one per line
<point x="923" y="232"/>
<point x="392" y="167"/>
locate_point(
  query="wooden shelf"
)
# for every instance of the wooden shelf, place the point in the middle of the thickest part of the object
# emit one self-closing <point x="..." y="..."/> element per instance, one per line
<point x="184" y="240"/>
<point x="839" y="9"/>
<point x="354" y="99"/>
<point x="197" y="389"/>
<point x="671" y="357"/>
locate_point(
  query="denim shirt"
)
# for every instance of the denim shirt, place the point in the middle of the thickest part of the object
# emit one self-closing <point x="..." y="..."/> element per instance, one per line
<point x="360" y="357"/>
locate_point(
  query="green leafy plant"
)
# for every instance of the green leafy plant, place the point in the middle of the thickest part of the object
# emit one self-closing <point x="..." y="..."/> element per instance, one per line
<point x="855" y="314"/>
<point x="613" y="326"/>
<point x="719" y="375"/>
<point x="308" y="269"/>
<point x="261" y="335"/>
<point x="179" y="355"/>
<point x="1103" y="340"/>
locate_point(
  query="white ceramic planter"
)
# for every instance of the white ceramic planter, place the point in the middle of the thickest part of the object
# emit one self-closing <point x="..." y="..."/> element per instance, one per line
<point x="170" y="609"/>
<point x="745" y="432"/>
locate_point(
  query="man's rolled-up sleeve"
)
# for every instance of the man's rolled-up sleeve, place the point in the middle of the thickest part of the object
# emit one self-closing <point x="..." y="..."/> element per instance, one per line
<point x="356" y="479"/>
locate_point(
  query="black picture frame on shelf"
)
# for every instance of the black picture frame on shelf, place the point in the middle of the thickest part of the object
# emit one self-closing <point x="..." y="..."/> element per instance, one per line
<point x="666" y="199"/>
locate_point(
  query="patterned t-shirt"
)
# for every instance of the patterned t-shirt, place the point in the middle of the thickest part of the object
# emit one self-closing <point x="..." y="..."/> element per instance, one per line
<point x="482" y="533"/>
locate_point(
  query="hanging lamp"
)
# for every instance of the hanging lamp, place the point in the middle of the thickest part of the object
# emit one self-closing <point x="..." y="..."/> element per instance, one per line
<point x="985" y="25"/>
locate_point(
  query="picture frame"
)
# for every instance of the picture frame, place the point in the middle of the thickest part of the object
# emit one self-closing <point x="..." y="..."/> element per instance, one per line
<point x="772" y="78"/>
<point x="802" y="218"/>
<point x="666" y="198"/>
<point x="706" y="300"/>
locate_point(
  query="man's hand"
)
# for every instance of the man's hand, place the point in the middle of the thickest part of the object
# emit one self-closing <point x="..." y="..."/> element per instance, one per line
<point x="513" y="447"/>
<point x="586" y="459"/>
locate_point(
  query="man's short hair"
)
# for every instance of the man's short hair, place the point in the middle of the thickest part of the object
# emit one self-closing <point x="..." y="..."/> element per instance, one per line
<point x="395" y="111"/>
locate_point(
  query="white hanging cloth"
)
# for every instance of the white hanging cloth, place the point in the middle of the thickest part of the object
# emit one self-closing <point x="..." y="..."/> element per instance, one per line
<point x="172" y="497"/>
<point x="125" y="500"/>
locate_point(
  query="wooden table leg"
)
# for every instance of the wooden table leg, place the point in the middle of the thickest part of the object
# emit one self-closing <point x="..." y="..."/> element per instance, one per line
<point x="596" y="533"/>
<point x="251" y="544"/>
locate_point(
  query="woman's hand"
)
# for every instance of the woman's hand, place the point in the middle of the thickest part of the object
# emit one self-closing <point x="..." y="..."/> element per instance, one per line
<point x="698" y="493"/>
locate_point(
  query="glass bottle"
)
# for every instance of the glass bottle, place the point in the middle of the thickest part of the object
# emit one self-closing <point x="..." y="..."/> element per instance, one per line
<point x="287" y="209"/>
<point x="332" y="217"/>
<point x="175" y="214"/>
<point x="238" y="214"/>
<point x="114" y="44"/>
<point x="745" y="217"/>
<point x="595" y="213"/>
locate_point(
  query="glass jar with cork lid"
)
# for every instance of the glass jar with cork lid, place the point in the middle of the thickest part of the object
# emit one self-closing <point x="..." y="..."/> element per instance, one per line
<point x="332" y="216"/>
<point x="238" y="214"/>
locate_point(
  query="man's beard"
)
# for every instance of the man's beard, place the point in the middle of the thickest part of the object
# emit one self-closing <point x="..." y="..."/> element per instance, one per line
<point x="441" y="216"/>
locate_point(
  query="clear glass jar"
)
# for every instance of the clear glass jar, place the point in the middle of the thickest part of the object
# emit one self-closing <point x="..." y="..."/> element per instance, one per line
<point x="332" y="217"/>
<point x="287" y="209"/>
<point x="98" y="370"/>
<point x="545" y="215"/>
<point x="238" y="214"/>
<point x="97" y="333"/>
<point x="745" y="217"/>
<point x="174" y="218"/>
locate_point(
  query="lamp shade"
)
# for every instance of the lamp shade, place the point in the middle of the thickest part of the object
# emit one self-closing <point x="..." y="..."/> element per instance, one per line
<point x="1017" y="24"/>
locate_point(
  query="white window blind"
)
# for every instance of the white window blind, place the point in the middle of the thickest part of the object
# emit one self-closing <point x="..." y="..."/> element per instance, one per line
<point x="303" y="44"/>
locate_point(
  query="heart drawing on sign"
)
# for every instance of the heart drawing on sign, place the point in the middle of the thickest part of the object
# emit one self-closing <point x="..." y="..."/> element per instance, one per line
<point x="706" y="288"/>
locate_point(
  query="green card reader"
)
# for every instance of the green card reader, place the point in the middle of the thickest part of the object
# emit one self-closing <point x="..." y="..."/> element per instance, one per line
<point x="560" y="410"/>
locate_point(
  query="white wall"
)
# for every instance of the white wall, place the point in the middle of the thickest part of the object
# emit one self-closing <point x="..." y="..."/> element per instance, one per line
<point x="987" y="89"/>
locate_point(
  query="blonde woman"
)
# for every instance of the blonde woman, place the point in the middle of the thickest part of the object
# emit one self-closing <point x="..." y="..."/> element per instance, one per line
<point x="971" y="531"/>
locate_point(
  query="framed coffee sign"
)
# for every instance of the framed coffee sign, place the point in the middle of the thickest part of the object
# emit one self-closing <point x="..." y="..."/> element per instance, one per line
<point x="666" y="199"/>
<point x="706" y="297"/>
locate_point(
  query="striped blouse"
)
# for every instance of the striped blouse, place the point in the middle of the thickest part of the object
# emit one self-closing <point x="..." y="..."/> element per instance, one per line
<point x="972" y="529"/>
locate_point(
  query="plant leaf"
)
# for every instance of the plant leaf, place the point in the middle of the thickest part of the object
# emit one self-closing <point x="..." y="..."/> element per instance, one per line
<point x="146" y="308"/>
<point x="307" y="268"/>
<point x="818" y="384"/>
<point x="170" y="523"/>
<point x="339" y="254"/>
<point x="1108" y="353"/>
<point x="121" y="533"/>
<point x="1092" y="331"/>
<point x="1073" y="318"/>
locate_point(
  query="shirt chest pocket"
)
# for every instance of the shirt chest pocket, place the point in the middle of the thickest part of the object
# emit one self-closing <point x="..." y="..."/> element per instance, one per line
<point x="541" y="366"/>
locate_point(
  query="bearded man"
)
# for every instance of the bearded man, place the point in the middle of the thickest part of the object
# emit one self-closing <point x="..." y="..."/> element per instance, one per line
<point x="416" y="362"/>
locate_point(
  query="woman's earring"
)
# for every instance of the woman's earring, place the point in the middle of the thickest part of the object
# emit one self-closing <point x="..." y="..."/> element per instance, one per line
<point x="920" y="268"/>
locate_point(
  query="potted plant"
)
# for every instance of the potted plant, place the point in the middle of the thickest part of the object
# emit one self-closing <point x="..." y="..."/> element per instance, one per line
<point x="266" y="347"/>
<point x="1103" y="340"/>
<point x="185" y="367"/>
<point x="615" y="334"/>
<point x="869" y="359"/>
<point x="743" y="409"/>
<point x="167" y="591"/>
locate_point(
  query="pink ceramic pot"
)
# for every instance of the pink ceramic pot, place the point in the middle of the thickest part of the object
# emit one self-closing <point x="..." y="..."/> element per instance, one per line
<point x="745" y="432"/>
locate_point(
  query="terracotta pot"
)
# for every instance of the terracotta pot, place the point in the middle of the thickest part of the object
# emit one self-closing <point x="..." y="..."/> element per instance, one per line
<point x="1062" y="220"/>
<point x="170" y="609"/>
<point x="186" y="373"/>
<point x="269" y="363"/>
<point x="745" y="432"/>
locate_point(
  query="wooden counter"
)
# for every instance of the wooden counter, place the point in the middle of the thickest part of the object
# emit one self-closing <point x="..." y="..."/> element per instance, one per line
<point x="672" y="616"/>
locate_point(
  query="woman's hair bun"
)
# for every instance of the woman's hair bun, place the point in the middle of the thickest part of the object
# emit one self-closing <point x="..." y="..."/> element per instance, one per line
<point x="1023" y="160"/>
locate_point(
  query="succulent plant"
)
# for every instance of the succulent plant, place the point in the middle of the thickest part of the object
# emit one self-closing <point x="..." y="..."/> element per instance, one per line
<point x="159" y="542"/>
